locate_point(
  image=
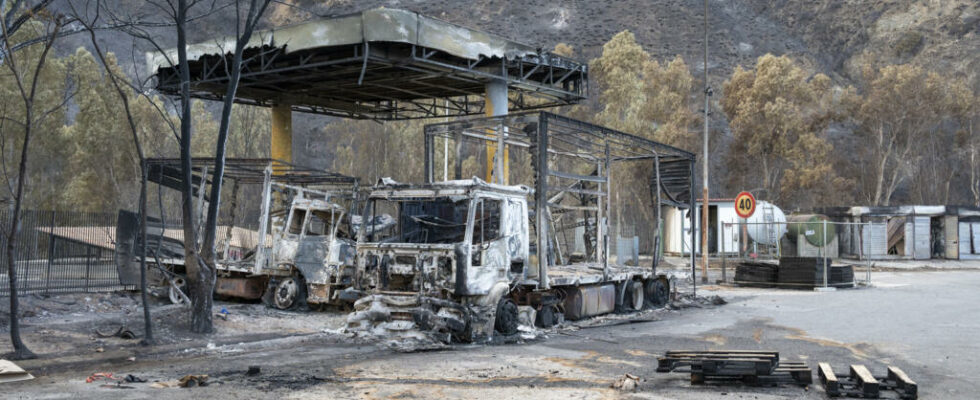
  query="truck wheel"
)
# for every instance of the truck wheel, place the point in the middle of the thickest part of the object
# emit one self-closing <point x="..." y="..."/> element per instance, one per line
<point x="656" y="293"/>
<point x="505" y="321"/>
<point x="636" y="295"/>
<point x="288" y="293"/>
<point x="179" y="285"/>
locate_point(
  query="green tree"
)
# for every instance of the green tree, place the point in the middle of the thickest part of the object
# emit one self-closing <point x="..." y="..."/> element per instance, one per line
<point x="778" y="117"/>
<point x="642" y="96"/>
<point x="902" y="107"/>
<point x="107" y="180"/>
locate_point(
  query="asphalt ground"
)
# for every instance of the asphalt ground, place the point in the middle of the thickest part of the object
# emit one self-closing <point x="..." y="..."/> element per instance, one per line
<point x="924" y="322"/>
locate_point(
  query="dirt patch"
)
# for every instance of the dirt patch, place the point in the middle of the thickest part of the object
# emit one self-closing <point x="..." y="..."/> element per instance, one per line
<point x="66" y="324"/>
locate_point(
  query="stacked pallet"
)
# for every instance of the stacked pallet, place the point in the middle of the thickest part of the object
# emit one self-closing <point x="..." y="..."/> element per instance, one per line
<point x="808" y="272"/>
<point x="753" y="367"/>
<point x="753" y="273"/>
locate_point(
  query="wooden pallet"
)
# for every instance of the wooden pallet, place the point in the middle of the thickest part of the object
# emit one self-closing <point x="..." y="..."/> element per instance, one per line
<point x="861" y="383"/>
<point x="753" y="367"/>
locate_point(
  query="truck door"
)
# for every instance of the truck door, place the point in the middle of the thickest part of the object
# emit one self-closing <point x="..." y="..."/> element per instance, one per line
<point x="490" y="261"/>
<point x="515" y="227"/>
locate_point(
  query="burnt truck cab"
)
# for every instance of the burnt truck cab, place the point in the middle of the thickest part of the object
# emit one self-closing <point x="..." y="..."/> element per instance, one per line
<point x="455" y="262"/>
<point x="310" y="254"/>
<point x="304" y="250"/>
<point x="452" y="246"/>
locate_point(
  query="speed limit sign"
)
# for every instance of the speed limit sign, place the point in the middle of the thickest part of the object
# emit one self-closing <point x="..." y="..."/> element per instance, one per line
<point x="745" y="204"/>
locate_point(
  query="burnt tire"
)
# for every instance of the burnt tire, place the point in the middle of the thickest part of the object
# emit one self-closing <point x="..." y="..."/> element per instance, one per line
<point x="656" y="293"/>
<point x="505" y="320"/>
<point x="179" y="284"/>
<point x="286" y="293"/>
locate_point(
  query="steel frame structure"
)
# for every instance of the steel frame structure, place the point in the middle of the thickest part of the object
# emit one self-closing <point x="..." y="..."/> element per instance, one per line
<point x="559" y="147"/>
<point x="384" y="81"/>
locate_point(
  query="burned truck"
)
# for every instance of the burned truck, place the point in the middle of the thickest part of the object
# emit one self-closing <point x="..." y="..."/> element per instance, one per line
<point x="466" y="259"/>
<point x="294" y="246"/>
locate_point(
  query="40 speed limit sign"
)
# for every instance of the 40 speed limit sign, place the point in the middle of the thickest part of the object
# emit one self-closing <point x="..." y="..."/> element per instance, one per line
<point x="744" y="204"/>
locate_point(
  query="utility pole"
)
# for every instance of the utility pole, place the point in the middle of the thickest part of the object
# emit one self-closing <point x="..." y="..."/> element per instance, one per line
<point x="704" y="159"/>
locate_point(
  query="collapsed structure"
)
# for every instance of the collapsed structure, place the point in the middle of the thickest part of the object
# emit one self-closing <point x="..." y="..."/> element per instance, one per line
<point x="463" y="256"/>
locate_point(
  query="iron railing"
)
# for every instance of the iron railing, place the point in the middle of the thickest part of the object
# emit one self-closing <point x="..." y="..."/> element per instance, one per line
<point x="61" y="252"/>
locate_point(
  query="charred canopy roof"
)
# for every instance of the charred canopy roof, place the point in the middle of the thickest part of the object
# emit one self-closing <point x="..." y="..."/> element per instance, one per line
<point x="248" y="171"/>
<point x="385" y="64"/>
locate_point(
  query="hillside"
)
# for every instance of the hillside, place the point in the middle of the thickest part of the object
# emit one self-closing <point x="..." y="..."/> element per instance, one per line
<point x="830" y="36"/>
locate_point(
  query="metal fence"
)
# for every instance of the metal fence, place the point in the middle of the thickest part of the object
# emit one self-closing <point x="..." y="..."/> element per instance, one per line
<point x="61" y="252"/>
<point x="838" y="243"/>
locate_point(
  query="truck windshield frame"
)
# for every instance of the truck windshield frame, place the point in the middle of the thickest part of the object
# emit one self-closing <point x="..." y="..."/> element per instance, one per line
<point x="419" y="220"/>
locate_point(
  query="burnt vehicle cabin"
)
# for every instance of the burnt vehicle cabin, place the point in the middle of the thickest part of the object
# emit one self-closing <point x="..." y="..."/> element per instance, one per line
<point x="284" y="234"/>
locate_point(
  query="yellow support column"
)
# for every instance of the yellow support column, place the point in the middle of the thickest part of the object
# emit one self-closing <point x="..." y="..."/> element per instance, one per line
<point x="282" y="133"/>
<point x="496" y="105"/>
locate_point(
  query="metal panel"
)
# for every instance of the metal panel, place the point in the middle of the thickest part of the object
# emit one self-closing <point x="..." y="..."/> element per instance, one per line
<point x="951" y="231"/>
<point x="875" y="240"/>
<point x="976" y="235"/>
<point x="921" y="238"/>
<point x="965" y="238"/>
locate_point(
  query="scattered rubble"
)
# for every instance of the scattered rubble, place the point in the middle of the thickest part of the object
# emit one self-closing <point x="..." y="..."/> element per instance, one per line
<point x="121" y="332"/>
<point x="627" y="383"/>
<point x="189" y="381"/>
<point x="10" y="372"/>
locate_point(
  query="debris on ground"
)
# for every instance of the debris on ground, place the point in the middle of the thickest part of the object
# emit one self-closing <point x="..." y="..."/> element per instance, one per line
<point x="193" y="380"/>
<point x="10" y="372"/>
<point x="253" y="370"/>
<point x="101" y="376"/>
<point x="688" y="300"/>
<point x="133" y="379"/>
<point x="164" y="384"/>
<point x="121" y="332"/>
<point x="626" y="383"/>
<point x="117" y="385"/>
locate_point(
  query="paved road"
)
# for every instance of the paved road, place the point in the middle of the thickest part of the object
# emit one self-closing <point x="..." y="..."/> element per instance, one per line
<point x="923" y="322"/>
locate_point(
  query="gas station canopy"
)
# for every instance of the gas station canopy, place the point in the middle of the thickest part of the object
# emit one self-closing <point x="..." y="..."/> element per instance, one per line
<point x="385" y="64"/>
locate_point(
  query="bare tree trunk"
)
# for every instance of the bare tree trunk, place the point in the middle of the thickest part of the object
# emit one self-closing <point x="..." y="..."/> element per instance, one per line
<point x="147" y="320"/>
<point x="28" y="94"/>
<point x="880" y="173"/>
<point x="21" y="351"/>
<point x="201" y="297"/>
<point x="207" y="273"/>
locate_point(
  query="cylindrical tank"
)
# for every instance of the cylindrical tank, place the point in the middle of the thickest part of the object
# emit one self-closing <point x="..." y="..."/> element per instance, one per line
<point x="767" y="225"/>
<point x="811" y="226"/>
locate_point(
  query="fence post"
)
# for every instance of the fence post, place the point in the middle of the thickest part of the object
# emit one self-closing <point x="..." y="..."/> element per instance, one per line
<point x="824" y="253"/>
<point x="724" y="258"/>
<point x="51" y="248"/>
<point x="867" y="278"/>
<point x="88" y="265"/>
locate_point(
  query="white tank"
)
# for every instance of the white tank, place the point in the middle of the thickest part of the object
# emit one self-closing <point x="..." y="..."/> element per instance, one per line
<point x="774" y="227"/>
